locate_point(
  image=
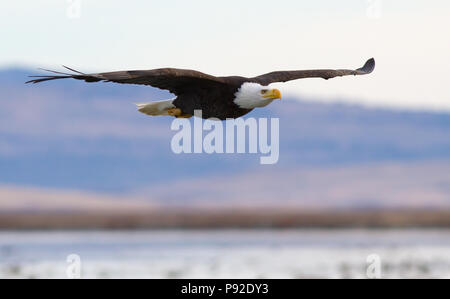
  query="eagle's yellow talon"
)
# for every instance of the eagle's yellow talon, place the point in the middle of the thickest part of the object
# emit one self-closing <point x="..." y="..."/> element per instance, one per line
<point x="174" y="112"/>
<point x="185" y="116"/>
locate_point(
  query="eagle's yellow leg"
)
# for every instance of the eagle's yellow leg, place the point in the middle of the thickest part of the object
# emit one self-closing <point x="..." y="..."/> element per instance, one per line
<point x="184" y="116"/>
<point x="177" y="113"/>
<point x="174" y="112"/>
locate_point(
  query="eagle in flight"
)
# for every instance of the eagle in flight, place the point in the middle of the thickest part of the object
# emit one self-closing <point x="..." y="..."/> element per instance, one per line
<point x="216" y="97"/>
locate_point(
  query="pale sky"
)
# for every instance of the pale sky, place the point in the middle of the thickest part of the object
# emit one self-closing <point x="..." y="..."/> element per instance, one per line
<point x="409" y="40"/>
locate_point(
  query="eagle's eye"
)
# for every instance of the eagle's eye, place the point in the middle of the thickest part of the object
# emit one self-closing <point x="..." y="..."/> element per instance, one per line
<point x="263" y="91"/>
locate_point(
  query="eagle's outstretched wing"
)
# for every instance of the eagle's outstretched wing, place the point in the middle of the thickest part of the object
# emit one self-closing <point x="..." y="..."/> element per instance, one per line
<point x="176" y="81"/>
<point x="179" y="81"/>
<point x="283" y="76"/>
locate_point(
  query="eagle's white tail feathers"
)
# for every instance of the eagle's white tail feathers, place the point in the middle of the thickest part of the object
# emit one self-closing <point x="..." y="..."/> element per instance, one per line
<point x="155" y="108"/>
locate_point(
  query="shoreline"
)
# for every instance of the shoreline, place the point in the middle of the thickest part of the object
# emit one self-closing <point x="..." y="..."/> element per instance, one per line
<point x="224" y="219"/>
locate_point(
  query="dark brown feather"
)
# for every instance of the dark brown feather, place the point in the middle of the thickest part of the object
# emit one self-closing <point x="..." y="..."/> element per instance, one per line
<point x="284" y="76"/>
<point x="177" y="81"/>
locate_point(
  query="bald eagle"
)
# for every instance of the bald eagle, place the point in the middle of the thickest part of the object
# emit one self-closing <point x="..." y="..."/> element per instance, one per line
<point x="216" y="97"/>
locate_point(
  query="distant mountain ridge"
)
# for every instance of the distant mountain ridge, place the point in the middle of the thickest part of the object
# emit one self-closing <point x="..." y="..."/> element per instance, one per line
<point x="69" y="134"/>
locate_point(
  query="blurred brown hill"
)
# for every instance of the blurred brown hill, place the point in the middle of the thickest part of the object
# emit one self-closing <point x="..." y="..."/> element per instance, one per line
<point x="379" y="195"/>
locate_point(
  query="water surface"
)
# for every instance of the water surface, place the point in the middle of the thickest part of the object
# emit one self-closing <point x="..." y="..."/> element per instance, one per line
<point x="226" y="253"/>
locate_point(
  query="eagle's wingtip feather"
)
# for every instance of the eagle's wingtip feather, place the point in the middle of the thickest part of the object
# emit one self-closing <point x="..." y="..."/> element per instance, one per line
<point x="368" y="67"/>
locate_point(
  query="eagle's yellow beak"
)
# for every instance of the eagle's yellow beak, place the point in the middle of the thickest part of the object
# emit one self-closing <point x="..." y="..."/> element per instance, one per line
<point x="272" y="94"/>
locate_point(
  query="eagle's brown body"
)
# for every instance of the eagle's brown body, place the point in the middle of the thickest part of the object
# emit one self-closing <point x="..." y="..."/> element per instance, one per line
<point x="221" y="95"/>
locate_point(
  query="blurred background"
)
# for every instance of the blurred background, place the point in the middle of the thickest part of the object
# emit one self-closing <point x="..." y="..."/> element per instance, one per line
<point x="363" y="177"/>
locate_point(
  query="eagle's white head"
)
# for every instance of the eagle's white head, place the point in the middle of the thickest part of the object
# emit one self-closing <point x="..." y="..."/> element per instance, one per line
<point x="253" y="95"/>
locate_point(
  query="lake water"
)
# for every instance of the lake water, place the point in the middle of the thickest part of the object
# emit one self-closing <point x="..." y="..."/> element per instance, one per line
<point x="227" y="254"/>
